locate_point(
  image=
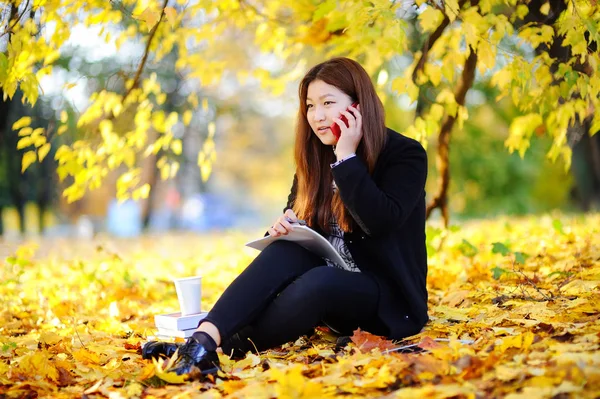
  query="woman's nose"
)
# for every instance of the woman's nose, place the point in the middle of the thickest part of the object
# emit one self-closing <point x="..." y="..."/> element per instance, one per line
<point x="319" y="114"/>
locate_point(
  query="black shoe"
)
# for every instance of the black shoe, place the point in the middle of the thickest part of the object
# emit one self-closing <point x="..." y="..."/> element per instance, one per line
<point x="193" y="354"/>
<point x="155" y="349"/>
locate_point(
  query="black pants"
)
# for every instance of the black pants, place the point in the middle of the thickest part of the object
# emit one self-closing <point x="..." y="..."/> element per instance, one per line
<point x="287" y="291"/>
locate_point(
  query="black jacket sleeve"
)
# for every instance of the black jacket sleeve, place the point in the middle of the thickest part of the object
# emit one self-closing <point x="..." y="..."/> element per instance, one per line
<point x="380" y="208"/>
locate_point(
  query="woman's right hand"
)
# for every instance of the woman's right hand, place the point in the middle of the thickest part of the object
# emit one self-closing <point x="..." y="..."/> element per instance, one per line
<point x="283" y="225"/>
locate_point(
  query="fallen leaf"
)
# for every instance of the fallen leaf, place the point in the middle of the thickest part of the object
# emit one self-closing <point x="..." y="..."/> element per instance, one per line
<point x="94" y="388"/>
<point x="366" y="341"/>
<point x="64" y="377"/>
<point x="165" y="375"/>
<point x="429" y="343"/>
<point x="136" y="347"/>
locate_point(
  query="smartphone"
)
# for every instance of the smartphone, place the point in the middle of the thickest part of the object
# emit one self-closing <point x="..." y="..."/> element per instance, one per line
<point x="335" y="128"/>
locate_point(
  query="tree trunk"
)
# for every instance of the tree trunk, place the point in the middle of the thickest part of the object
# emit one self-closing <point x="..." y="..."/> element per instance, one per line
<point x="440" y="200"/>
<point x="585" y="165"/>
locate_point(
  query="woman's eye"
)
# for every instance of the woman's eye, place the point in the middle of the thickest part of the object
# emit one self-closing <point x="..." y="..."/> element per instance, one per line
<point x="328" y="102"/>
<point x="308" y="105"/>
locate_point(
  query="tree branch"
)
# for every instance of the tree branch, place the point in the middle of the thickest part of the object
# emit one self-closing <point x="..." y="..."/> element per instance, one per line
<point x="138" y="73"/>
<point x="430" y="42"/>
<point x="428" y="45"/>
<point x="10" y="28"/>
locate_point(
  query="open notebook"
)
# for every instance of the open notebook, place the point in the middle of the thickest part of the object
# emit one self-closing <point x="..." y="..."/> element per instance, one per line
<point x="306" y="237"/>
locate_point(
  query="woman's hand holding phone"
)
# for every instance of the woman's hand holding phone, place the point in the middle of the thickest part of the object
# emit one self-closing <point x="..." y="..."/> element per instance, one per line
<point x="283" y="225"/>
<point x="351" y="133"/>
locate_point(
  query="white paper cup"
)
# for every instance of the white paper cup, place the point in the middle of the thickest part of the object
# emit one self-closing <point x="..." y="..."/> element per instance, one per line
<point x="189" y="293"/>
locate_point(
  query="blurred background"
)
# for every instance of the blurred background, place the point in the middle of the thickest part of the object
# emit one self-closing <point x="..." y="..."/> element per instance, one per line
<point x="254" y="135"/>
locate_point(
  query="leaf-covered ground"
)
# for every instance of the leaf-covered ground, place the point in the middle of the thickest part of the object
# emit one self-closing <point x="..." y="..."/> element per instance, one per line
<point x="526" y="291"/>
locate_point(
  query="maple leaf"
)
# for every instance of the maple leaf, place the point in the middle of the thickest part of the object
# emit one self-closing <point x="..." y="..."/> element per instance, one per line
<point x="291" y="383"/>
<point x="365" y="341"/>
<point x="429" y="343"/>
<point x="136" y="347"/>
<point x="64" y="377"/>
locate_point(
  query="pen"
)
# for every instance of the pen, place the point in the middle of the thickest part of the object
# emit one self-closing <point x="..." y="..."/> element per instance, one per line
<point x="300" y="221"/>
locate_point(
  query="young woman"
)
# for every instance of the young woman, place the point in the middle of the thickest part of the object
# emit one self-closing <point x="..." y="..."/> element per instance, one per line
<point x="365" y="194"/>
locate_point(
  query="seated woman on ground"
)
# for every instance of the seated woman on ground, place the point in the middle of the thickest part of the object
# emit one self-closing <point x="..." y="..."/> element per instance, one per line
<point x="364" y="192"/>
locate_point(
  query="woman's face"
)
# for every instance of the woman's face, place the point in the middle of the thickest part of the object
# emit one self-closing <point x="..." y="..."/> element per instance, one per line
<point x="324" y="102"/>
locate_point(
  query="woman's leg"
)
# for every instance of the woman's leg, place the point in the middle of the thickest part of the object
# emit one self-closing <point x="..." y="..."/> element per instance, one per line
<point x="247" y="296"/>
<point x="342" y="299"/>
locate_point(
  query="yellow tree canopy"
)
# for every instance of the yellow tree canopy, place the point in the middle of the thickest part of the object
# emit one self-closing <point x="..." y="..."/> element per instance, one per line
<point x="513" y="50"/>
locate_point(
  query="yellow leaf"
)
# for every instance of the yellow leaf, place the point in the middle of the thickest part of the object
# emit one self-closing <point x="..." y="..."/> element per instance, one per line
<point x="187" y="117"/>
<point x="520" y="131"/>
<point x="62" y="129"/>
<point x="436" y="112"/>
<point x="50" y="338"/>
<point x="545" y="8"/>
<point x="168" y="376"/>
<point x="521" y="341"/>
<point x="452" y="9"/>
<point x="486" y="56"/>
<point x="38" y="141"/>
<point x="38" y="363"/>
<point x="165" y="171"/>
<point x="64" y="116"/>
<point x="51" y="57"/>
<point x="434" y="73"/>
<point x="406" y="86"/>
<point x="447" y="98"/>
<point x="86" y="357"/>
<point x="134" y="390"/>
<point x="522" y="11"/>
<point x="43" y="151"/>
<point x="171" y="14"/>
<point x="205" y="166"/>
<point x="28" y="158"/>
<point x="293" y="384"/>
<point x="147" y="372"/>
<point x="142" y="192"/>
<point x="430" y="19"/>
<point x="150" y="18"/>
<point x="25" y="131"/>
<point x="250" y="360"/>
<point x="145" y="190"/>
<point x="24" y="142"/>
<point x="24" y="121"/>
<point x="176" y="147"/>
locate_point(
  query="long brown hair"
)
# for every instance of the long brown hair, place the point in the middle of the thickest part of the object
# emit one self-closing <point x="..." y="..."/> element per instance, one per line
<point x="315" y="201"/>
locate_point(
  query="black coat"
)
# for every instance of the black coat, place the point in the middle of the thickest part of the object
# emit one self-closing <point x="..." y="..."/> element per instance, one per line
<point x="389" y="243"/>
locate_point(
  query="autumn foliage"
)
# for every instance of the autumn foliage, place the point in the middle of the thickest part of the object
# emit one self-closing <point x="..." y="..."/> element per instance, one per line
<point x="541" y="56"/>
<point x="514" y="302"/>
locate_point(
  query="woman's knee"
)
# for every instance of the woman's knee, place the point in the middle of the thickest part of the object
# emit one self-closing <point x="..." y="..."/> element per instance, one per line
<point x="284" y="247"/>
<point x="282" y="251"/>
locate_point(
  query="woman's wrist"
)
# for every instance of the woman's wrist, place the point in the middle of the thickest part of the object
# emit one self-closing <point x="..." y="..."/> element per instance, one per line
<point x="340" y="155"/>
<point x="342" y="159"/>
